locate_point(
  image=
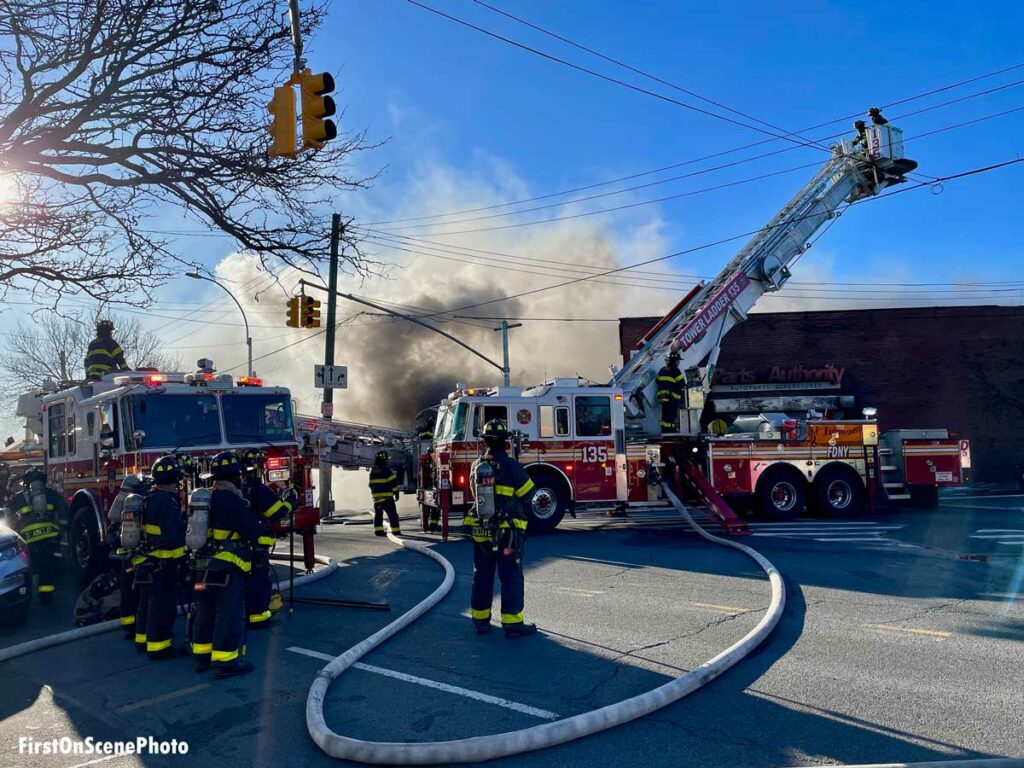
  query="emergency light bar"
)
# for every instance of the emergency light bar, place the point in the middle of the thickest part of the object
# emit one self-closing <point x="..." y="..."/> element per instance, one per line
<point x="250" y="381"/>
<point x="149" y="379"/>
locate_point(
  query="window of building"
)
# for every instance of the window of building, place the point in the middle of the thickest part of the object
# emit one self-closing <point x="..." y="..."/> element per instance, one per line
<point x="593" y="416"/>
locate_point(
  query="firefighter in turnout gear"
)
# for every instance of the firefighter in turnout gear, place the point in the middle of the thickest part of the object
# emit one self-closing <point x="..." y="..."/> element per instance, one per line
<point x="125" y="560"/>
<point x="384" y="489"/>
<point x="269" y="508"/>
<point x="222" y="568"/>
<point x="670" y="392"/>
<point x="38" y="512"/>
<point x="105" y="354"/>
<point x="162" y="552"/>
<point x="498" y="526"/>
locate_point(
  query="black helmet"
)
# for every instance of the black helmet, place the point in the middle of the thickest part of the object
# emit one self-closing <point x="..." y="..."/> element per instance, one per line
<point x="166" y="470"/>
<point x="495" y="432"/>
<point x="32" y="475"/>
<point x="104" y="326"/>
<point x="252" y="458"/>
<point x="187" y="464"/>
<point x="225" y="466"/>
<point x="382" y="457"/>
<point x="672" y="356"/>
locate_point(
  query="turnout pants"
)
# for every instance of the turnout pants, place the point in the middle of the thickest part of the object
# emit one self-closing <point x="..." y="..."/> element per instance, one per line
<point x="129" y="595"/>
<point x="486" y="559"/>
<point x="259" y="587"/>
<point x="220" y="618"/>
<point x="379" y="508"/>
<point x="44" y="564"/>
<point x="670" y="416"/>
<point x="161" y="606"/>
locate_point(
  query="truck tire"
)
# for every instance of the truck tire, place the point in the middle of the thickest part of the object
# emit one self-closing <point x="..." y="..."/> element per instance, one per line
<point x="85" y="550"/>
<point x="781" y="493"/>
<point x="549" y="503"/>
<point x="838" y="492"/>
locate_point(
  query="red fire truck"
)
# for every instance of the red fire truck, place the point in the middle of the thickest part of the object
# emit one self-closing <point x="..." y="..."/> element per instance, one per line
<point x="606" y="444"/>
<point x="93" y="434"/>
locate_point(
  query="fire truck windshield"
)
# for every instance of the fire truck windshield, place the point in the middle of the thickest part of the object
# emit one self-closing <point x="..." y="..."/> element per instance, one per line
<point x="258" y="418"/>
<point x="176" y="420"/>
<point x="451" y="425"/>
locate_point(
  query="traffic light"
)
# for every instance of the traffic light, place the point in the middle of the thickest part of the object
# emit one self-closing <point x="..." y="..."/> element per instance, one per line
<point x="282" y="127"/>
<point x="293" y="312"/>
<point x="310" y="312"/>
<point x="316" y="107"/>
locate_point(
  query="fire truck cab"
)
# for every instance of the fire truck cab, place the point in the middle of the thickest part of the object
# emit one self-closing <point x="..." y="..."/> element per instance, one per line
<point x="94" y="433"/>
<point x="570" y="438"/>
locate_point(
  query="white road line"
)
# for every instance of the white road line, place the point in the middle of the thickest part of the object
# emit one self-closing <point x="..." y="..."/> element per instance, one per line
<point x="1001" y="530"/>
<point x="802" y="523"/>
<point x="826" y="529"/>
<point x="857" y="538"/>
<point x="497" y="701"/>
<point x="981" y="506"/>
<point x="997" y="536"/>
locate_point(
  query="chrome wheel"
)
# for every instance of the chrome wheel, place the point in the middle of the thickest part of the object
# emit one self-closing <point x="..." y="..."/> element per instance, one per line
<point x="544" y="503"/>
<point x="839" y="494"/>
<point x="783" y="496"/>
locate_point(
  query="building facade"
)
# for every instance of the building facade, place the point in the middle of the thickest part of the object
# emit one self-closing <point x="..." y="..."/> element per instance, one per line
<point x="959" y="368"/>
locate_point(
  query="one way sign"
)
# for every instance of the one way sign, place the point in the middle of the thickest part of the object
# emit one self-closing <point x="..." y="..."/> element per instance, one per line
<point x="330" y="376"/>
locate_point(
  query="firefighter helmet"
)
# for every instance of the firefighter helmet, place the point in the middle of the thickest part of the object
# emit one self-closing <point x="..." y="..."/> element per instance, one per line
<point x="495" y="432"/>
<point x="382" y="457"/>
<point x="672" y="356"/>
<point x="187" y="464"/>
<point x="32" y="475"/>
<point x="104" y="326"/>
<point x="225" y="466"/>
<point x="252" y="458"/>
<point x="166" y="470"/>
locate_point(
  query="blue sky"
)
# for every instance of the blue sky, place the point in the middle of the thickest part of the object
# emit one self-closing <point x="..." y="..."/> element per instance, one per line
<point x="470" y="120"/>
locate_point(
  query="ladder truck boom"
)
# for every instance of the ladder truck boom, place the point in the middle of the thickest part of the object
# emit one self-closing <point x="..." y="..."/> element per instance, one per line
<point x="695" y="328"/>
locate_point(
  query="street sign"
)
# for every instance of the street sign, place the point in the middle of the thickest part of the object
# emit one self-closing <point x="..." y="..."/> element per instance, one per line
<point x="330" y="376"/>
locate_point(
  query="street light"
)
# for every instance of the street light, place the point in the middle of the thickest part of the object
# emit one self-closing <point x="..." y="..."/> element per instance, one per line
<point x="248" y="338"/>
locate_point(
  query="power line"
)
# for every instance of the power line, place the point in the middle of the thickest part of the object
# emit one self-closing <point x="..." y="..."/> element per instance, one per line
<point x="635" y="70"/>
<point x="722" y="153"/>
<point x="607" y="78"/>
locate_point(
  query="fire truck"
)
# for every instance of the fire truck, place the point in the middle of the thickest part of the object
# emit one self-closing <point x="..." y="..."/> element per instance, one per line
<point x="604" y="445"/>
<point x="94" y="433"/>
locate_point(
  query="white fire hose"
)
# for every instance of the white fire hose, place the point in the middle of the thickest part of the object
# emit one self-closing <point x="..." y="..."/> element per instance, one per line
<point x="50" y="641"/>
<point x="493" y="746"/>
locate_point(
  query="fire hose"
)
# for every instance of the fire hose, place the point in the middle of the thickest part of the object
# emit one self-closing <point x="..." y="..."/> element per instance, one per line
<point x="80" y="633"/>
<point x="493" y="746"/>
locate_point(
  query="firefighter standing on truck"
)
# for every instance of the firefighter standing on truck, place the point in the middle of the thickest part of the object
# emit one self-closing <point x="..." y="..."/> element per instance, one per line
<point x="163" y="551"/>
<point x="222" y="568"/>
<point x="38" y="511"/>
<point x="384" y="489"/>
<point x="670" y="392"/>
<point x="268" y="508"/>
<point x="498" y="528"/>
<point x="105" y="354"/>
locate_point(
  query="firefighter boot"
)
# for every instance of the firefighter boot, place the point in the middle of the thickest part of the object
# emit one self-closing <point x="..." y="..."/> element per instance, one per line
<point x="481" y="627"/>
<point x="513" y="631"/>
<point x="234" y="670"/>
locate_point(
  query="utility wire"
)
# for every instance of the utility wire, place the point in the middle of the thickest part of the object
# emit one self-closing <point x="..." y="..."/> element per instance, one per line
<point x="609" y="78"/>
<point x="637" y="71"/>
<point x="721" y="153"/>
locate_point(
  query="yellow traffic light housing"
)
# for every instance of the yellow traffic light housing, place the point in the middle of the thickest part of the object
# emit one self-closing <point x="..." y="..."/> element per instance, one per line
<point x="293" y="312"/>
<point x="316" y="107"/>
<point x="310" y="312"/>
<point x="282" y="127"/>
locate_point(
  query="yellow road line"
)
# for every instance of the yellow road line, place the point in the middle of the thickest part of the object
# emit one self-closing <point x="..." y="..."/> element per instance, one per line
<point x="723" y="608"/>
<point x="160" y="699"/>
<point x="937" y="634"/>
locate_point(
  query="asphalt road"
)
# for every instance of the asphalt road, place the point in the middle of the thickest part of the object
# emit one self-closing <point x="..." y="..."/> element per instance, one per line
<point x="901" y="641"/>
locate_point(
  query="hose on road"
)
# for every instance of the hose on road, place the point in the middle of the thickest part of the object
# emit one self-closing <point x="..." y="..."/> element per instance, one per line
<point x="536" y="737"/>
<point x="80" y="633"/>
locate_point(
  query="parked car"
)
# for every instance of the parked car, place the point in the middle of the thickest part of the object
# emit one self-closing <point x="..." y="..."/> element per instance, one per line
<point x="15" y="578"/>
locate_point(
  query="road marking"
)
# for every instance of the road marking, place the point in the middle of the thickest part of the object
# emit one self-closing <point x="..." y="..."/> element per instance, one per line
<point x="856" y="538"/>
<point x="583" y="592"/>
<point x="543" y="714"/>
<point x="937" y="634"/>
<point x="1001" y="530"/>
<point x="1008" y="536"/>
<point x="97" y="760"/>
<point x="986" y="507"/>
<point x="160" y="699"/>
<point x="804" y="523"/>
<point x="723" y="608"/>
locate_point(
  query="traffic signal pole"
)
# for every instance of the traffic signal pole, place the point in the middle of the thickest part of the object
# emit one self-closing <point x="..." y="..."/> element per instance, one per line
<point x="327" y="407"/>
<point x="298" y="63"/>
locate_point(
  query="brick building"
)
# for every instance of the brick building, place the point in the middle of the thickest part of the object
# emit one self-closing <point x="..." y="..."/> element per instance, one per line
<point x="961" y="368"/>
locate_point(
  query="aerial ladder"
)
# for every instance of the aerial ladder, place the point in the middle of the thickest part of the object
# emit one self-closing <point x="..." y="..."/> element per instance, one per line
<point x="695" y="327"/>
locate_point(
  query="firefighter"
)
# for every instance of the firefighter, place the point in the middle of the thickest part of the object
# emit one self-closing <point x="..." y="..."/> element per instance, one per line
<point x="268" y="509"/>
<point x="124" y="559"/>
<point x="162" y="552"/>
<point x="670" y="392"/>
<point x="38" y="513"/>
<point x="222" y="567"/>
<point x="384" y="490"/>
<point x="105" y="354"/>
<point x="498" y="543"/>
